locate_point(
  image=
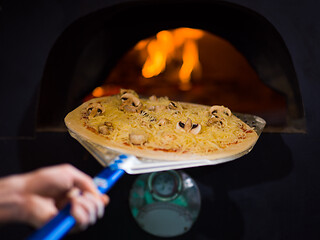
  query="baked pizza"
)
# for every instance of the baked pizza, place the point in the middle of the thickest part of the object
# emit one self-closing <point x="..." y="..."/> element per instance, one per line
<point x="159" y="128"/>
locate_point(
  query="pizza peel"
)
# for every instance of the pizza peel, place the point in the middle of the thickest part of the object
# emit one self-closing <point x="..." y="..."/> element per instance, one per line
<point x="117" y="163"/>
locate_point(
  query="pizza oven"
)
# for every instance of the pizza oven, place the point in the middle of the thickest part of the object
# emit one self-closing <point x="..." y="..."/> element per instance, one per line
<point x="253" y="57"/>
<point x="244" y="65"/>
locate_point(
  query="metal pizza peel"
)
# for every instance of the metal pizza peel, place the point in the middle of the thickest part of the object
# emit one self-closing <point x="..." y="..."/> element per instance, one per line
<point x="117" y="163"/>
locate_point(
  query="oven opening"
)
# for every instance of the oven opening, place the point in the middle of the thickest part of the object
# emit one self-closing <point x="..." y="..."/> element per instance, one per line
<point x="243" y="64"/>
<point x="193" y="65"/>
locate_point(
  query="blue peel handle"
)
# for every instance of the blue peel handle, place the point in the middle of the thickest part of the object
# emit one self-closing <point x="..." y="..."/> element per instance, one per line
<point x="63" y="222"/>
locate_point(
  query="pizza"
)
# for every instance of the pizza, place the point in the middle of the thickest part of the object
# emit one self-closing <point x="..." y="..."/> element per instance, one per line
<point x="159" y="128"/>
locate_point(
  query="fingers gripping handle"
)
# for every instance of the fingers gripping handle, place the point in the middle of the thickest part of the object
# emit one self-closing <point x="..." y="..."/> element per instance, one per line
<point x="63" y="222"/>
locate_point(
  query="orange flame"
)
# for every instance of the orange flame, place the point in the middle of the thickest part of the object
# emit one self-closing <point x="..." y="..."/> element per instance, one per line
<point x="158" y="51"/>
<point x="98" y="92"/>
<point x="168" y="45"/>
<point x="190" y="57"/>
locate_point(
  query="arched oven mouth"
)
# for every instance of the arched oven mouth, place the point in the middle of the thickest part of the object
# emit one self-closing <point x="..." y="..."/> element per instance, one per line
<point x="243" y="63"/>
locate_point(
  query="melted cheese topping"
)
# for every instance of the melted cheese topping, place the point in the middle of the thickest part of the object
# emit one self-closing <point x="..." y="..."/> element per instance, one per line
<point x="212" y="137"/>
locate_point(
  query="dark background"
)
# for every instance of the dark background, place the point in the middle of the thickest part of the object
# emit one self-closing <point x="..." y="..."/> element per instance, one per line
<point x="272" y="193"/>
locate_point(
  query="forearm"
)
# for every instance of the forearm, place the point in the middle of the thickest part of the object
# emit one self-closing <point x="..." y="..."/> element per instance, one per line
<point x="11" y="198"/>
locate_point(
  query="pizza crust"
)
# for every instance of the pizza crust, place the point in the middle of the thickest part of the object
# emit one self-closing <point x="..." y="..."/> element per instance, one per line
<point x="76" y="124"/>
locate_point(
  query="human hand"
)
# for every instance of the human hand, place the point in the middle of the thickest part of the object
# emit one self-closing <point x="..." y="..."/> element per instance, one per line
<point x="37" y="196"/>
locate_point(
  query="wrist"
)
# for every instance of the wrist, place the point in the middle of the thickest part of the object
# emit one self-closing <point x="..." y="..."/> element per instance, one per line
<point x="13" y="184"/>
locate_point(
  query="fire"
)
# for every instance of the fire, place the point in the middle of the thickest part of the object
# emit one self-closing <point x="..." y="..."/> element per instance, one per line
<point x="103" y="90"/>
<point x="98" y="92"/>
<point x="179" y="45"/>
<point x="190" y="57"/>
<point x="159" y="49"/>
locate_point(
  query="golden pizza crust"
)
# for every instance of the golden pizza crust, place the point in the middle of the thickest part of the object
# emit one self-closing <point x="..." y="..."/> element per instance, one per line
<point x="77" y="124"/>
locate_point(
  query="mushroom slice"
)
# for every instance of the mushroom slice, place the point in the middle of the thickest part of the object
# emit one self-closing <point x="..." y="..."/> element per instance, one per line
<point x="176" y="107"/>
<point x="105" y="128"/>
<point x="153" y="98"/>
<point x="94" y="109"/>
<point x="213" y="121"/>
<point x="173" y="106"/>
<point x="129" y="97"/>
<point x="132" y="108"/>
<point x="163" y="121"/>
<point x="188" y="126"/>
<point x="147" y="115"/>
<point x="130" y="103"/>
<point x="218" y="110"/>
<point x="196" y="128"/>
<point x="124" y="91"/>
<point x="138" y="138"/>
